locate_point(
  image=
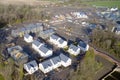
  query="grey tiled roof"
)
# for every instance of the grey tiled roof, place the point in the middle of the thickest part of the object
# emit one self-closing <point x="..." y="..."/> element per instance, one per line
<point x="56" y="60"/>
<point x="63" y="57"/>
<point x="31" y="64"/>
<point x="54" y="37"/>
<point x="37" y="43"/>
<point x="43" y="49"/>
<point x="46" y="64"/>
<point x="61" y="41"/>
<point x="82" y="44"/>
<point x="48" y="31"/>
<point x="73" y="47"/>
<point x="26" y="35"/>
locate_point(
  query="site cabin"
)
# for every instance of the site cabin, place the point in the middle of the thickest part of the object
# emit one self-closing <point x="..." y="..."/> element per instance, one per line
<point x="55" y="62"/>
<point x="58" y="41"/>
<point x="31" y="67"/>
<point x="83" y="46"/>
<point x="41" y="49"/>
<point x="74" y="50"/>
<point x="28" y="38"/>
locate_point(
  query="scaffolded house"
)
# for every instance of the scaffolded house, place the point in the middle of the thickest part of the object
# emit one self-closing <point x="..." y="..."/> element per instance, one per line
<point x="74" y="50"/>
<point x="41" y="49"/>
<point x="31" y="67"/>
<point x="55" y="62"/>
<point x="58" y="41"/>
<point x="18" y="54"/>
<point x="46" y="33"/>
<point x="34" y="28"/>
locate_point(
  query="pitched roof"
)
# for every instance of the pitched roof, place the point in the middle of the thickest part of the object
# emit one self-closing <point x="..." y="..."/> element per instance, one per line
<point x="82" y="44"/>
<point x="56" y="60"/>
<point x="43" y="49"/>
<point x="27" y="35"/>
<point x="118" y="28"/>
<point x="63" y="57"/>
<point x="48" y="31"/>
<point x="31" y="64"/>
<point x="73" y="47"/>
<point x="47" y="64"/>
<point x="55" y="37"/>
<point x="37" y="43"/>
<point x="61" y="41"/>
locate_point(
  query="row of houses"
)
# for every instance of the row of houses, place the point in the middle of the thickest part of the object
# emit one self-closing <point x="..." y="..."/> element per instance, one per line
<point x="58" y="41"/>
<point x="48" y="65"/>
<point x="55" y="62"/>
<point x="46" y="33"/>
<point x="34" y="28"/>
<point x="42" y="49"/>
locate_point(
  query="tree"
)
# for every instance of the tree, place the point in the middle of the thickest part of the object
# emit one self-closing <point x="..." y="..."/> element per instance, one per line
<point x="88" y="68"/>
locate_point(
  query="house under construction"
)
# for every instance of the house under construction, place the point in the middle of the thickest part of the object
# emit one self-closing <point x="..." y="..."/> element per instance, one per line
<point x="34" y="28"/>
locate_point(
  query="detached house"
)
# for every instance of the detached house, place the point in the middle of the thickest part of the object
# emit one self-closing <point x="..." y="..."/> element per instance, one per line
<point x="46" y="66"/>
<point x="58" y="41"/>
<point x="41" y="49"/>
<point x="65" y="61"/>
<point x="28" y="38"/>
<point x="31" y="67"/>
<point x="56" y="61"/>
<point x="74" y="50"/>
<point x="44" y="51"/>
<point x="53" y="63"/>
<point x="83" y="46"/>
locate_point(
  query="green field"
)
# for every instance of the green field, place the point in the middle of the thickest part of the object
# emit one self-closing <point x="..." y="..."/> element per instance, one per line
<point x="1" y="77"/>
<point x="104" y="3"/>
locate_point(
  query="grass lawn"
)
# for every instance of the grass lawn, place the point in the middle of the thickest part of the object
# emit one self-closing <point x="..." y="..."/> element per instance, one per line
<point x="104" y="3"/>
<point x="1" y="77"/>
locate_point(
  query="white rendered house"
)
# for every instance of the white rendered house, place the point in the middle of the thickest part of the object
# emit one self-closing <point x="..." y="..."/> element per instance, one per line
<point x="28" y="38"/>
<point x="83" y="46"/>
<point x="65" y="61"/>
<point x="46" y="66"/>
<point x="58" y="41"/>
<point x="31" y="67"/>
<point x="53" y="63"/>
<point x="56" y="61"/>
<point x="74" y="50"/>
<point x="41" y="49"/>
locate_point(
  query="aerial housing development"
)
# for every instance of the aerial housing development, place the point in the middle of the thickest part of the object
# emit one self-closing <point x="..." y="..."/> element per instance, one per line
<point x="48" y="60"/>
<point x="59" y="40"/>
